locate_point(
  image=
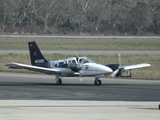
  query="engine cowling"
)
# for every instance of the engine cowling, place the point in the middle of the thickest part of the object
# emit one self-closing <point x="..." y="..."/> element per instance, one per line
<point x="121" y="72"/>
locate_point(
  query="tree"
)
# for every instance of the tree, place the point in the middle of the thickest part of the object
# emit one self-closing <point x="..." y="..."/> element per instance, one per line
<point x="154" y="13"/>
<point x="127" y="17"/>
<point x="44" y="10"/>
<point x="139" y="17"/>
<point x="5" y="11"/>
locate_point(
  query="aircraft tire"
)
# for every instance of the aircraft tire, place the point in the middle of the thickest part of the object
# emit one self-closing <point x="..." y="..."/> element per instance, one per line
<point x="97" y="82"/>
<point x="100" y="82"/>
<point x="59" y="82"/>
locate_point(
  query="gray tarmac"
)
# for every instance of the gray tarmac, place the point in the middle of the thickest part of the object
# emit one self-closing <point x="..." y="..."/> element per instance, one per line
<point x="14" y="86"/>
<point x="37" y="97"/>
<point x="78" y="110"/>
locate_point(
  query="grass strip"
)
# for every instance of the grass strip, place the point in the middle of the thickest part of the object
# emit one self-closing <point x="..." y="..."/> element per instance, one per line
<point x="143" y="73"/>
<point x="82" y="43"/>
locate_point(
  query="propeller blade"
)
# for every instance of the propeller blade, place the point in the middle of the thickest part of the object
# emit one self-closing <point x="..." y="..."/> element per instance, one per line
<point x="114" y="73"/>
<point x="81" y="79"/>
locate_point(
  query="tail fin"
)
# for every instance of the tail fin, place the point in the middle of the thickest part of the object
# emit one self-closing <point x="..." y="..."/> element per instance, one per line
<point x="36" y="56"/>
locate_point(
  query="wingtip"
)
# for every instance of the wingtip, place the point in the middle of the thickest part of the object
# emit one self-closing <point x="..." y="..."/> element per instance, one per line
<point x="8" y="64"/>
<point x="147" y="64"/>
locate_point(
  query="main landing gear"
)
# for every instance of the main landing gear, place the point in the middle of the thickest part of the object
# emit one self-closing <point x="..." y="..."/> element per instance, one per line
<point x="97" y="81"/>
<point x="58" y="79"/>
<point x="59" y="82"/>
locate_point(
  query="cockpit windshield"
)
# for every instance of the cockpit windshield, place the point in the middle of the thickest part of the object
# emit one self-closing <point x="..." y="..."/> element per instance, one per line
<point x="91" y="61"/>
<point x="85" y="60"/>
<point x="80" y="60"/>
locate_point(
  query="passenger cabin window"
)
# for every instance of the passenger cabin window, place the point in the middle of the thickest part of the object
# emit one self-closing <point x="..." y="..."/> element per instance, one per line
<point x="61" y="63"/>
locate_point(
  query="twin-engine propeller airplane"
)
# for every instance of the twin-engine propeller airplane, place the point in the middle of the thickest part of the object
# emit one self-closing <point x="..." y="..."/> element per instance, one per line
<point x="71" y="67"/>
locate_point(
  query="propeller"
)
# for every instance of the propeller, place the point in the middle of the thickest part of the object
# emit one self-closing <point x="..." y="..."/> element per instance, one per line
<point x="119" y="67"/>
<point x="114" y="73"/>
<point x="81" y="65"/>
<point x="76" y="67"/>
<point x="81" y="78"/>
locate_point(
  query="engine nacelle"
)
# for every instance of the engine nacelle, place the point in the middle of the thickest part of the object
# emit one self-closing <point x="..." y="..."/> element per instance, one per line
<point x="121" y="72"/>
<point x="75" y="67"/>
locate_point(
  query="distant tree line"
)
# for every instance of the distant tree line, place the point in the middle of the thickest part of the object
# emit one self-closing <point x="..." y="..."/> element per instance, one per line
<point x="106" y="17"/>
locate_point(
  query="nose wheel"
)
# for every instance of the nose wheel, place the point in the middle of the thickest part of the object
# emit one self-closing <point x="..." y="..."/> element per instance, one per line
<point x="97" y="81"/>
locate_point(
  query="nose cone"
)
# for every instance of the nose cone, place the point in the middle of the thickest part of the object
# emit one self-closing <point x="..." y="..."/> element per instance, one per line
<point x="108" y="70"/>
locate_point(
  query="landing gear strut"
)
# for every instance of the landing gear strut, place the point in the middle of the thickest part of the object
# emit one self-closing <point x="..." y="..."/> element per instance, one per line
<point x="97" y="81"/>
<point x="59" y="82"/>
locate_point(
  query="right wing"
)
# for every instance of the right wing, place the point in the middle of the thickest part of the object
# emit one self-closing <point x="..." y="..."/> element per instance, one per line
<point x="32" y="68"/>
<point x="141" y="65"/>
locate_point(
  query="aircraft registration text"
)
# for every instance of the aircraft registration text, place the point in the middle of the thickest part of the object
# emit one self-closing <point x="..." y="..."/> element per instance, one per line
<point x="39" y="61"/>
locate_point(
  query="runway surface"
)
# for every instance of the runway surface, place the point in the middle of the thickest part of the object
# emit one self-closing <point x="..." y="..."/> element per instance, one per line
<point x="77" y="110"/>
<point x="14" y="86"/>
<point x="35" y="96"/>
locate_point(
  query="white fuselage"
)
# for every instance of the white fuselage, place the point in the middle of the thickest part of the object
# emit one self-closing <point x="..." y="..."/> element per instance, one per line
<point x="88" y="69"/>
<point x="93" y="69"/>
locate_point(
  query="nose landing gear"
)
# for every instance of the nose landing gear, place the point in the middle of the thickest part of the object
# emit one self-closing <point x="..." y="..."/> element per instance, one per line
<point x="97" y="81"/>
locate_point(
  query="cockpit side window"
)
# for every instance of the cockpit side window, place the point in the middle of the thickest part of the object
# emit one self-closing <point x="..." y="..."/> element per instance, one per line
<point x="71" y="60"/>
<point x="77" y="59"/>
<point x="80" y="60"/>
<point x="84" y="60"/>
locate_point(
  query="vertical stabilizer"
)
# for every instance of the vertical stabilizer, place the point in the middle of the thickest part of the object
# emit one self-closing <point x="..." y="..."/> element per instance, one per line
<point x="36" y="56"/>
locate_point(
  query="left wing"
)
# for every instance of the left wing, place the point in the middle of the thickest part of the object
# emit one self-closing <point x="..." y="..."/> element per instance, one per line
<point x="130" y="67"/>
<point x="32" y="68"/>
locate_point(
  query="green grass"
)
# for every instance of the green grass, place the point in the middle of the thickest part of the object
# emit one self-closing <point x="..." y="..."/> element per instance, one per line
<point x="82" y="44"/>
<point x="143" y="73"/>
